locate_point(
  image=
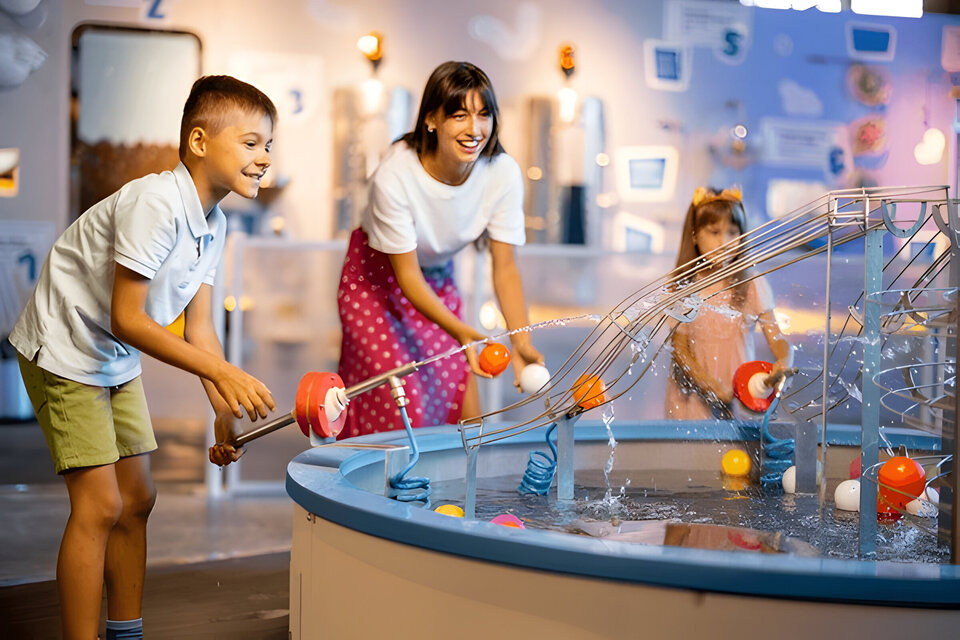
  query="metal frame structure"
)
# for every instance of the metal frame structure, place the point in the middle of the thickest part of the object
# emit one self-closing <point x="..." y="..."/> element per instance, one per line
<point x="622" y="348"/>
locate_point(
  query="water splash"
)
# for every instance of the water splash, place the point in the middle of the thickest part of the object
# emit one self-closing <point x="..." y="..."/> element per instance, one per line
<point x="612" y="443"/>
<point x="557" y="322"/>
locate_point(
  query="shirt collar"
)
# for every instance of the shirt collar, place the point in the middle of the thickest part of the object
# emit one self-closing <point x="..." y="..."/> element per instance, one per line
<point x="197" y="222"/>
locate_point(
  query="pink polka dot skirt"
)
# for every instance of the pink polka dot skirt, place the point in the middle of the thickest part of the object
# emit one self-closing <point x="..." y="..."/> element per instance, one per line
<point x="382" y="330"/>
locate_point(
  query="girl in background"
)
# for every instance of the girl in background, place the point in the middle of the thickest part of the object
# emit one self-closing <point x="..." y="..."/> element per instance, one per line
<point x="439" y="188"/>
<point x="708" y="349"/>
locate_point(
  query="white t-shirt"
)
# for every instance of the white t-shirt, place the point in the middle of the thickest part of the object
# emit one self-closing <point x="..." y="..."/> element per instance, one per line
<point x="409" y="209"/>
<point x="153" y="225"/>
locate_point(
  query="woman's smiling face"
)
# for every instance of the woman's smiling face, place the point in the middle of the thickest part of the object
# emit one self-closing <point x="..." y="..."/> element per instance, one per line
<point x="463" y="134"/>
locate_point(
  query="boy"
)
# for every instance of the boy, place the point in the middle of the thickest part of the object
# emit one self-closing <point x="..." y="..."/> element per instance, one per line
<point x="125" y="269"/>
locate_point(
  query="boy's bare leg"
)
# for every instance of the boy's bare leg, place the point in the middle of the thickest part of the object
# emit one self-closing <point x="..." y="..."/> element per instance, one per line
<point x="127" y="546"/>
<point x="95" y="506"/>
<point x="471" y="398"/>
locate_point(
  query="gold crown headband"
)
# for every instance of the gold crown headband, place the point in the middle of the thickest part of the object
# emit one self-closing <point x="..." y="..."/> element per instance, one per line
<point x="702" y="195"/>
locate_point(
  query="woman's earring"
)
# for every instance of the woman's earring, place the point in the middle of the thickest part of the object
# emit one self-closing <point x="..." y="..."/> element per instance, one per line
<point x="430" y="129"/>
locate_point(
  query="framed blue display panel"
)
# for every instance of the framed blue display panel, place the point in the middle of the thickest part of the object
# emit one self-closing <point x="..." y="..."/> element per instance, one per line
<point x="646" y="173"/>
<point x="667" y="65"/>
<point x="871" y="42"/>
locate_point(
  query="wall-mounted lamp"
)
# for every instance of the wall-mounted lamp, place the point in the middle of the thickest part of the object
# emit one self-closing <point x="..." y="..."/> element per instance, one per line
<point x="567" y="97"/>
<point x="567" y="65"/>
<point x="371" y="45"/>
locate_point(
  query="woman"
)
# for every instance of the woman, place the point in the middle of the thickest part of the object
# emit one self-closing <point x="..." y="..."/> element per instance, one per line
<point x="438" y="188"/>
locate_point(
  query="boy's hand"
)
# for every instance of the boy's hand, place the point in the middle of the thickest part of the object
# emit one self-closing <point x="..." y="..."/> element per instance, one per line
<point x="223" y="453"/>
<point x="242" y="391"/>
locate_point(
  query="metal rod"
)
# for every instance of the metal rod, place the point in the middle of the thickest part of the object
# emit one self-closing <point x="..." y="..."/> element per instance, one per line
<point x="383" y="378"/>
<point x="264" y="429"/>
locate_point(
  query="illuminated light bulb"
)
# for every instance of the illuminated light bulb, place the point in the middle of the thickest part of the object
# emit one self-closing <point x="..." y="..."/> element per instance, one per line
<point x="490" y="316"/>
<point x="602" y="160"/>
<point x="371" y="46"/>
<point x="567" y="98"/>
<point x="372" y="91"/>
<point x="893" y="8"/>
<point x="229" y="303"/>
<point x="930" y="149"/>
<point x="534" y="173"/>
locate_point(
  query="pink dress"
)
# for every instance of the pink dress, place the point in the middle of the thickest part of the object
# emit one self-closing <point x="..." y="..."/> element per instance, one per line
<point x="720" y="340"/>
<point x="382" y="330"/>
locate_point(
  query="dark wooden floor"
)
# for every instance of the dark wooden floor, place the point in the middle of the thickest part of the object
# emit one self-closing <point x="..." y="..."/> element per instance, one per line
<point x="240" y="598"/>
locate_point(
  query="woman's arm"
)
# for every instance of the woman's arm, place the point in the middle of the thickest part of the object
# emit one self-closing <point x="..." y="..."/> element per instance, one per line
<point x="406" y="267"/>
<point x="508" y="288"/>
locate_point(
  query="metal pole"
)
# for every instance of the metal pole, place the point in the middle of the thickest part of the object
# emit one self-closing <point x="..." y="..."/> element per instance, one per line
<point x="870" y="409"/>
<point x="565" y="458"/>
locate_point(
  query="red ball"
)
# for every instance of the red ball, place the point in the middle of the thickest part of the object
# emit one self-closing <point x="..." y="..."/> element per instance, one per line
<point x="901" y="480"/>
<point x="855" y="469"/>
<point x="494" y="358"/>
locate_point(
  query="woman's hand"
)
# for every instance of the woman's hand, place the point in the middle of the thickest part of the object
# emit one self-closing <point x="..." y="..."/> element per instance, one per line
<point x="467" y="335"/>
<point x="524" y="353"/>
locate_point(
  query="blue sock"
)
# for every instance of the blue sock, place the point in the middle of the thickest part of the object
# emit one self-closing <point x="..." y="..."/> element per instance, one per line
<point x="125" y="629"/>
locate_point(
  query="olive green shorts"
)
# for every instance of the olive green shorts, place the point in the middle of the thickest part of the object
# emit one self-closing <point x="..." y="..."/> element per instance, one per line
<point x="87" y="426"/>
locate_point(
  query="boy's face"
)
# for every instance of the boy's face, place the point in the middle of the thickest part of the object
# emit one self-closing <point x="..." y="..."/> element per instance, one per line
<point x="238" y="155"/>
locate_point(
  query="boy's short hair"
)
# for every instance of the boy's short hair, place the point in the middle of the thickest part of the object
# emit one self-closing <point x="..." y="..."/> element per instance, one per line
<point x="210" y="101"/>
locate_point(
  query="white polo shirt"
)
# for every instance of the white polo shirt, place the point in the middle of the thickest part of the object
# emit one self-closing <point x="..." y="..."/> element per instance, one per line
<point x="153" y="225"/>
<point x="410" y="209"/>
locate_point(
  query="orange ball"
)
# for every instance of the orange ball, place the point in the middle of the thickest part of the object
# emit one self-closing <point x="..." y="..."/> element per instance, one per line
<point x="900" y="474"/>
<point x="589" y="391"/>
<point x="494" y="358"/>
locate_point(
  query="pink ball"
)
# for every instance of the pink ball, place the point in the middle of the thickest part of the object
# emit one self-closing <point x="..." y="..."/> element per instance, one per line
<point x="508" y="520"/>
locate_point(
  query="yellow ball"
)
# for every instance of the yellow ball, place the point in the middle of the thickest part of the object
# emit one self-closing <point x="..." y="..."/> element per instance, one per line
<point x="735" y="463"/>
<point x="450" y="510"/>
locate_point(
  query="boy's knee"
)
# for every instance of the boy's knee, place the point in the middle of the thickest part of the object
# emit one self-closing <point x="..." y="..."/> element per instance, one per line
<point x="102" y="513"/>
<point x="139" y="503"/>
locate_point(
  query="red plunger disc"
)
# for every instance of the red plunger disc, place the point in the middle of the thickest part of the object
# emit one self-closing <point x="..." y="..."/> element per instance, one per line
<point x="302" y="400"/>
<point x="316" y="414"/>
<point x="741" y="385"/>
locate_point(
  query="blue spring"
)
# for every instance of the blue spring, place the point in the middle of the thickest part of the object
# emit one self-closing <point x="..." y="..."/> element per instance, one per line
<point x="777" y="454"/>
<point x="400" y="482"/>
<point x="540" y="469"/>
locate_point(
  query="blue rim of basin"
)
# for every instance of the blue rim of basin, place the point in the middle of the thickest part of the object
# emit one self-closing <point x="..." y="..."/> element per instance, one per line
<point x="316" y="481"/>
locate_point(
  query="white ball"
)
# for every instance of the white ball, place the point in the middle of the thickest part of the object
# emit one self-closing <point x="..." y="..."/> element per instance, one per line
<point x="533" y="377"/>
<point x="847" y="495"/>
<point x="789" y="480"/>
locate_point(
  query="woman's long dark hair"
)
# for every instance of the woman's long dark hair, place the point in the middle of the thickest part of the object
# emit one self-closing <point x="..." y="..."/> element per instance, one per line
<point x="447" y="89"/>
